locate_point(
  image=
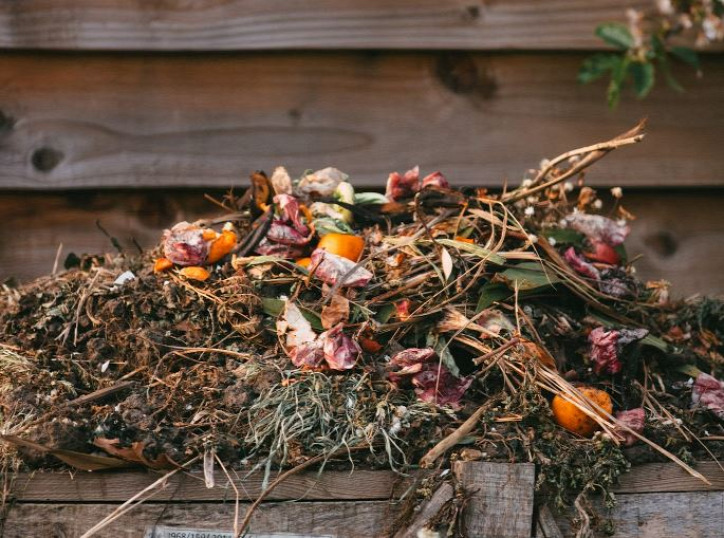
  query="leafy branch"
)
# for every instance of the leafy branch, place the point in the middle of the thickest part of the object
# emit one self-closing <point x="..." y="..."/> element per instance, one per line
<point x="648" y="43"/>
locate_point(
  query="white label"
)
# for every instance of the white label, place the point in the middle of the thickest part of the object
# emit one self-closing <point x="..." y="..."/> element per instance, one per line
<point x="161" y="531"/>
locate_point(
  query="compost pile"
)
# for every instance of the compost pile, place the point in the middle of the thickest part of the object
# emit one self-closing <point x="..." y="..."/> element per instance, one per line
<point x="412" y="328"/>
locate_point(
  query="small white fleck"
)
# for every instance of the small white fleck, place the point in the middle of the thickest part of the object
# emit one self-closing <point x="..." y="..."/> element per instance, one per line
<point x="617" y="192"/>
<point x="598" y="204"/>
<point x="533" y="238"/>
<point x="531" y="199"/>
<point x="105" y="366"/>
<point x="527" y="182"/>
<point x="568" y="186"/>
<point x="552" y="241"/>
<point x="529" y="211"/>
<point x="127" y="276"/>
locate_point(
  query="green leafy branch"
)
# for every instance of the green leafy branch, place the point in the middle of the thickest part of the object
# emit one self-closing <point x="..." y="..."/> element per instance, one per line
<point x="644" y="46"/>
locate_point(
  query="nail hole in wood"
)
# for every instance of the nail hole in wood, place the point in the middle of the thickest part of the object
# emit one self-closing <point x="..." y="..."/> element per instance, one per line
<point x="45" y="159"/>
<point x="460" y="73"/>
<point x="663" y="243"/>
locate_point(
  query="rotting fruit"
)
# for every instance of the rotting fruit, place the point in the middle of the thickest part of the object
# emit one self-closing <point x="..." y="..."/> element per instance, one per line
<point x="345" y="245"/>
<point x="570" y="417"/>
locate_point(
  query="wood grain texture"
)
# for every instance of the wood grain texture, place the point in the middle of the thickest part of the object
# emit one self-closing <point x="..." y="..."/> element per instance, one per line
<point x="340" y="519"/>
<point x="61" y="487"/>
<point x="656" y="515"/>
<point x="679" y="234"/>
<point x="308" y="24"/>
<point x="669" y="478"/>
<point x="93" y="120"/>
<point x="501" y="500"/>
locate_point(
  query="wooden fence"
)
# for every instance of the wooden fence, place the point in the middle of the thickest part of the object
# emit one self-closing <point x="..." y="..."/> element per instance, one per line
<point x="654" y="500"/>
<point x="113" y="110"/>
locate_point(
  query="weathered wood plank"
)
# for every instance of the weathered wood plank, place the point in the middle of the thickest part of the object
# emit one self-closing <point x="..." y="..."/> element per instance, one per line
<point x="684" y="515"/>
<point x="340" y="519"/>
<point x="679" y="234"/>
<point x="667" y="477"/>
<point x="428" y="510"/>
<point x="90" y="121"/>
<point x="63" y="487"/>
<point x="312" y="24"/>
<point x="501" y="501"/>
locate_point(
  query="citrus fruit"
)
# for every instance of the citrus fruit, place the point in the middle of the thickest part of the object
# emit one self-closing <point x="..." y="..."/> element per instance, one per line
<point x="570" y="417"/>
<point x="345" y="245"/>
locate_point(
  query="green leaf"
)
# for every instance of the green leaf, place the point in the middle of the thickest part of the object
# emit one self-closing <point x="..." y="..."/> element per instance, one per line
<point x="643" y="78"/>
<point x="491" y="292"/>
<point x="384" y="313"/>
<point x="594" y="67"/>
<point x="439" y="344"/>
<point x="274" y="307"/>
<point x="476" y="250"/>
<point x="564" y="236"/>
<point x="328" y="225"/>
<point x="616" y="84"/>
<point x="528" y="276"/>
<point x="615" y="34"/>
<point x="659" y="49"/>
<point x="687" y="55"/>
<point x="370" y="198"/>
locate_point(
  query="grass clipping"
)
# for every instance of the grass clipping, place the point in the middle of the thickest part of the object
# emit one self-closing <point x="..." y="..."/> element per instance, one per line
<point x="475" y="311"/>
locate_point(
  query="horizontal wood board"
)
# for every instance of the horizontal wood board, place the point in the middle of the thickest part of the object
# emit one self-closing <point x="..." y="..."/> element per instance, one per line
<point x="70" y="121"/>
<point x="678" y="233"/>
<point x="659" y="515"/>
<point x="120" y="486"/>
<point x="308" y="24"/>
<point x="339" y="519"/>
<point x="109" y="487"/>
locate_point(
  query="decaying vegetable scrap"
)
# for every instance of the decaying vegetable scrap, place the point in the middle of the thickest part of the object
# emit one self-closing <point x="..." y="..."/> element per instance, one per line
<point x="424" y="325"/>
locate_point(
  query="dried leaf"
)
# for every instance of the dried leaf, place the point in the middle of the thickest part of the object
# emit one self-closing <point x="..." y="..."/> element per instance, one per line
<point x="337" y="311"/>
<point x="78" y="460"/>
<point x="447" y="263"/>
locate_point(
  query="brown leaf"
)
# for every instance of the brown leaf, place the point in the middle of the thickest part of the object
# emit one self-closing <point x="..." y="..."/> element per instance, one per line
<point x="337" y="311"/>
<point x="79" y="460"/>
<point x="133" y="454"/>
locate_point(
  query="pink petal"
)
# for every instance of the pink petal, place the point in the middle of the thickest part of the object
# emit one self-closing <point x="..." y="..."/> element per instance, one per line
<point x="340" y="351"/>
<point x="436" y="179"/>
<point x="399" y="187"/>
<point x="286" y="235"/>
<point x="598" y="228"/>
<point x="331" y="268"/>
<point x="309" y="355"/>
<point x="184" y="244"/>
<point x="708" y="392"/>
<point x="267" y="248"/>
<point x="580" y="266"/>
<point x="634" y="419"/>
<point x="604" y="352"/>
<point x="290" y="208"/>
<point x="409" y="357"/>
<point x="435" y="384"/>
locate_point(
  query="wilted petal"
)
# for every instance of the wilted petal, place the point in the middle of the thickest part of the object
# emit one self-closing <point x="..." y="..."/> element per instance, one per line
<point x="602" y="252"/>
<point x="607" y="347"/>
<point x="281" y="181"/>
<point x="184" y="244"/>
<point x="335" y="312"/>
<point x="340" y="351"/>
<point x="267" y="248"/>
<point x="604" y="352"/>
<point x="436" y="385"/>
<point x="708" y="392"/>
<point x="296" y="327"/>
<point x="580" y="266"/>
<point x="290" y="208"/>
<point x="399" y="186"/>
<point x="331" y="268"/>
<point x="433" y="382"/>
<point x="286" y="235"/>
<point x="321" y="183"/>
<point x="309" y="355"/>
<point x="598" y="228"/>
<point x="436" y="179"/>
<point x="634" y="419"/>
